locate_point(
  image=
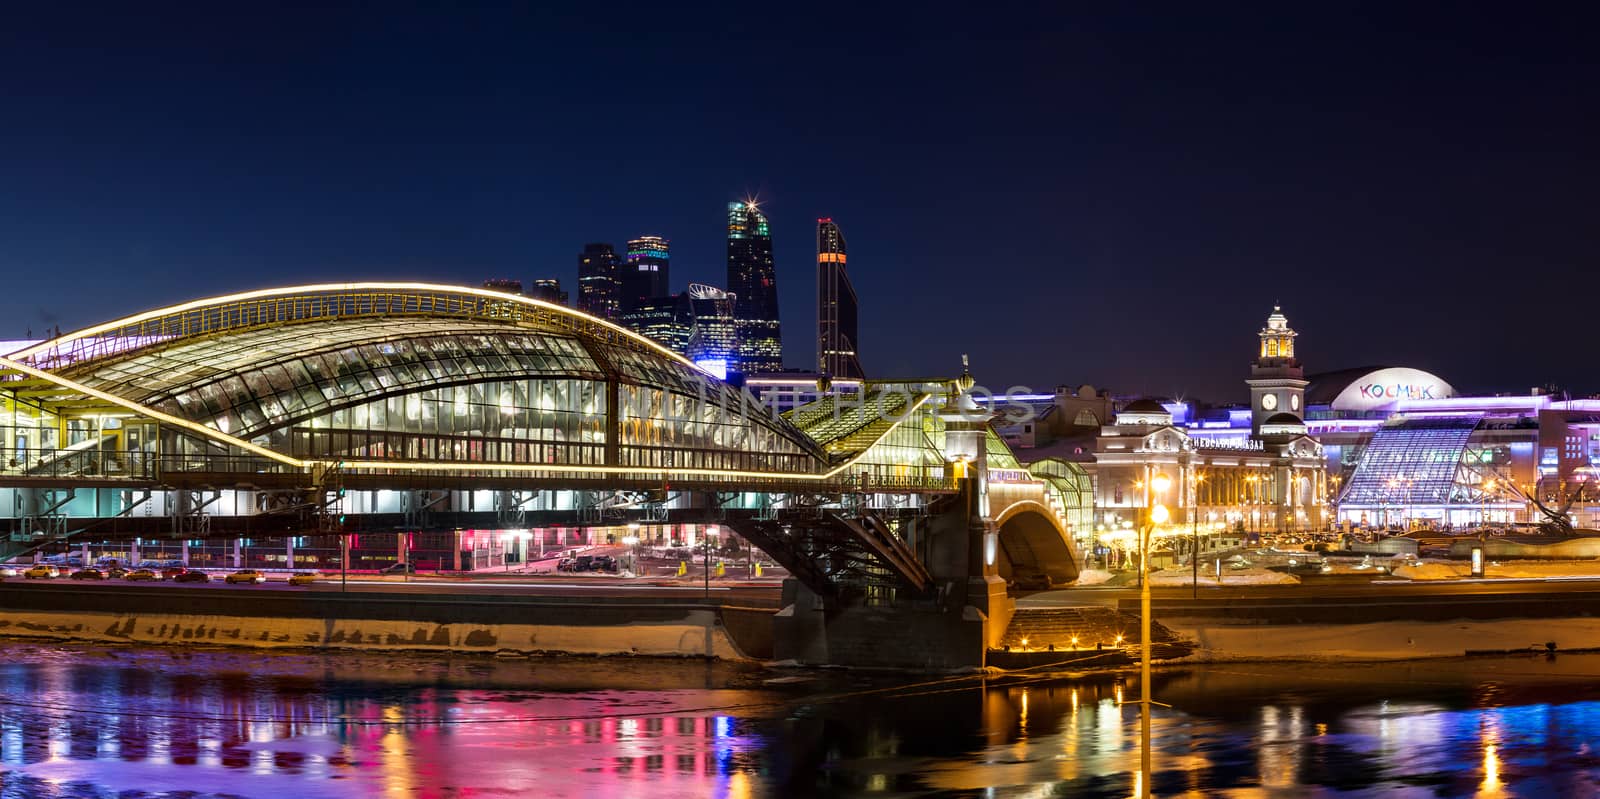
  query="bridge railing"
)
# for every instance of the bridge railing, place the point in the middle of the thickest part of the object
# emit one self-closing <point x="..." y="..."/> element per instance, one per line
<point x="71" y="462"/>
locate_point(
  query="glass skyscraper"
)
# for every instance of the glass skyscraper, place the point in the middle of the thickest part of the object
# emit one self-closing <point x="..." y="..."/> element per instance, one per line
<point x="713" y="332"/>
<point x="836" y="307"/>
<point x="754" y="282"/>
<point x="598" y="288"/>
<point x="645" y="272"/>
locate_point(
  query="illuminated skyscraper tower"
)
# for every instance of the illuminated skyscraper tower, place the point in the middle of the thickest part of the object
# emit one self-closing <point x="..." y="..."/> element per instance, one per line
<point x="644" y="273"/>
<point x="836" y="307"/>
<point x="753" y="280"/>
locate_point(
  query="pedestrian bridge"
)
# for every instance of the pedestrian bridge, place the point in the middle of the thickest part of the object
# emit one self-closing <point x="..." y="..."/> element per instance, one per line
<point x="338" y="409"/>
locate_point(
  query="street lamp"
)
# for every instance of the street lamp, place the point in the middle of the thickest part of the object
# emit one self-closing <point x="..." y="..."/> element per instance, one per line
<point x="1158" y="516"/>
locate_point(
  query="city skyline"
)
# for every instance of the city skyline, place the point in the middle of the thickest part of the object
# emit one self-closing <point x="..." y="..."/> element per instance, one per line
<point x="1380" y="183"/>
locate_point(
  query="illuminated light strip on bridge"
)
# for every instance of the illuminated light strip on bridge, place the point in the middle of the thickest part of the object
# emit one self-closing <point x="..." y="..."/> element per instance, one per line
<point x="218" y="435"/>
<point x="261" y="294"/>
<point x="165" y="418"/>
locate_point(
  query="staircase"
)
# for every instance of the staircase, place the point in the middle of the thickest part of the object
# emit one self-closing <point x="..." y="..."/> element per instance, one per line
<point x="1093" y="626"/>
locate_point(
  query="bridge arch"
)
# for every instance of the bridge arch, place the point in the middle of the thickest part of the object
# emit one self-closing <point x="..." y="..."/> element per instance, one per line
<point x="1033" y="547"/>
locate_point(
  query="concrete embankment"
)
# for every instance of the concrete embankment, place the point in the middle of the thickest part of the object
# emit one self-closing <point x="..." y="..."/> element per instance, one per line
<point x="376" y="621"/>
<point x="1382" y="627"/>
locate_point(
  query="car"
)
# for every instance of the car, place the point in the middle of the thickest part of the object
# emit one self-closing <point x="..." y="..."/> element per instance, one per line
<point x="143" y="575"/>
<point x="192" y="576"/>
<point x="247" y="576"/>
<point x="10" y="571"/>
<point x="172" y="572"/>
<point x="567" y="565"/>
<point x="90" y="573"/>
<point x="400" y="568"/>
<point x="42" y="571"/>
<point x="116" y="573"/>
<point x="302" y="578"/>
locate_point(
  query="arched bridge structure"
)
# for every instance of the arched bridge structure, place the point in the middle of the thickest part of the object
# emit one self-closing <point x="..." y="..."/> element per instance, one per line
<point x="337" y="409"/>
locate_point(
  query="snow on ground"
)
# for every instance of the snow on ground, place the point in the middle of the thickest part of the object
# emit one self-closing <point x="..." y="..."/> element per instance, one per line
<point x="1229" y="577"/>
<point x="1093" y="576"/>
<point x="1452" y="570"/>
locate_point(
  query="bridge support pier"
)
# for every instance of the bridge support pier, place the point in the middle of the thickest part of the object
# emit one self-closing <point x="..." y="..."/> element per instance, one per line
<point x="949" y="628"/>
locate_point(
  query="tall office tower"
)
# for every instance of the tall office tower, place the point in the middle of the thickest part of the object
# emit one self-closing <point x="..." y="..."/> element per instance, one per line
<point x="836" y="307"/>
<point x="713" y="333"/>
<point x="598" y="286"/>
<point x="664" y="320"/>
<point x="505" y="284"/>
<point x="644" y="273"/>
<point x="549" y="290"/>
<point x="754" y="282"/>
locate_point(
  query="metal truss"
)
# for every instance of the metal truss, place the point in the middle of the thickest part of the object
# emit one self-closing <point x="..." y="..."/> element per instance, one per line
<point x="189" y="517"/>
<point x="837" y="554"/>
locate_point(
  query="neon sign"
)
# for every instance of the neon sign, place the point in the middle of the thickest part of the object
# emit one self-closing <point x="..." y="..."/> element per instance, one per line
<point x="1398" y="391"/>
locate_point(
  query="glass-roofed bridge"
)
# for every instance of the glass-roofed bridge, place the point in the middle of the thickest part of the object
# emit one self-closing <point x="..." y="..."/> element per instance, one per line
<point x="348" y="409"/>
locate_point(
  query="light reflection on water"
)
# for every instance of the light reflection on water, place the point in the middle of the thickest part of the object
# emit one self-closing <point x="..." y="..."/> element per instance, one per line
<point x="80" y="723"/>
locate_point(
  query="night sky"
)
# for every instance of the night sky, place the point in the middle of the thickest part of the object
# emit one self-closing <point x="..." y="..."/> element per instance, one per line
<point x="1070" y="194"/>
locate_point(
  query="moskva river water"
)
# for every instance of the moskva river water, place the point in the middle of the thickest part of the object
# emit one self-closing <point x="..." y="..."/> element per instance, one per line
<point x="122" y="722"/>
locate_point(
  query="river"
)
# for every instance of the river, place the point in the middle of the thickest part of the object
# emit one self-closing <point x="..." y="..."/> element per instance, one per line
<point x="129" y="722"/>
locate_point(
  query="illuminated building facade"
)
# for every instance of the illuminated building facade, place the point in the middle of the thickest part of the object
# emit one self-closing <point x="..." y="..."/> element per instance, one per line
<point x="753" y="279"/>
<point x="665" y="320"/>
<point x="837" y="328"/>
<point x="1268" y="477"/>
<point x="646" y="271"/>
<point x="599" y="286"/>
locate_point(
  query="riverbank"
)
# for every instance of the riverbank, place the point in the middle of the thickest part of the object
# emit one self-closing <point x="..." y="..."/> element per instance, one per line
<point x="379" y="621"/>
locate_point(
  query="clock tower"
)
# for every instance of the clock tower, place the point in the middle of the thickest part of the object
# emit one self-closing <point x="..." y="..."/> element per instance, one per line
<point x="1277" y="383"/>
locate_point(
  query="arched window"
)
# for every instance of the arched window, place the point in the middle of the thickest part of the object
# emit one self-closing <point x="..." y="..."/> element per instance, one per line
<point x="1085" y="418"/>
<point x="1272" y="348"/>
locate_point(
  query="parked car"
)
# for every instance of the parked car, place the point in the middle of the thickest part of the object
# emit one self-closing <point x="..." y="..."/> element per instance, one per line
<point x="116" y="573"/>
<point x="90" y="573"/>
<point x="302" y="578"/>
<point x="192" y="576"/>
<point x="143" y="575"/>
<point x="172" y="572"/>
<point x="567" y="565"/>
<point x="42" y="571"/>
<point x="247" y="576"/>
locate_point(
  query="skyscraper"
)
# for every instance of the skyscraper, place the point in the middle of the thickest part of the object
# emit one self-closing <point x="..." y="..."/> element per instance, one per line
<point x="836" y="306"/>
<point x="549" y="290"/>
<point x="664" y="320"/>
<point x="754" y="282"/>
<point x="599" y="290"/>
<point x="645" y="272"/>
<point x="713" y="333"/>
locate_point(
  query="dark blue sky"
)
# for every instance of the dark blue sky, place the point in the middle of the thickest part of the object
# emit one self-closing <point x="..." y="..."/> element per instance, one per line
<point x="1112" y="196"/>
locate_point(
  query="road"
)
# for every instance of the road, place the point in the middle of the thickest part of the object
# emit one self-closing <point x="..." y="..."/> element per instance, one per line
<point x="757" y="595"/>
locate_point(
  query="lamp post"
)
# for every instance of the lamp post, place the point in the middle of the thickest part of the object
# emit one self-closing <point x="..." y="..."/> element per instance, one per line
<point x="1194" y="533"/>
<point x="1158" y="515"/>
